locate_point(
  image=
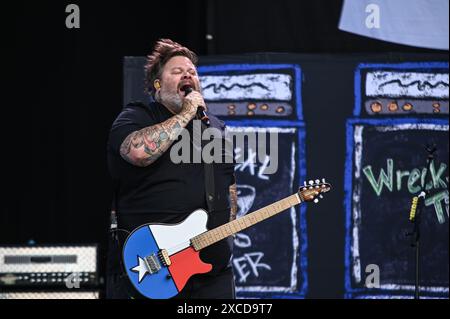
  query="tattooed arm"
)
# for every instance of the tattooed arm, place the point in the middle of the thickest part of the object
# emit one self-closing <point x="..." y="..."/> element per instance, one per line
<point x="233" y="202"/>
<point x="143" y="147"/>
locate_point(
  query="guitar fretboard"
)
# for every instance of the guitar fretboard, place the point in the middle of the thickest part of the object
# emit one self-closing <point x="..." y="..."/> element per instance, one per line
<point x="210" y="237"/>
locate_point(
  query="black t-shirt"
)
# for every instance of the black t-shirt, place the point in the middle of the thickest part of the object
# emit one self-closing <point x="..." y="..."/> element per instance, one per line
<point x="165" y="192"/>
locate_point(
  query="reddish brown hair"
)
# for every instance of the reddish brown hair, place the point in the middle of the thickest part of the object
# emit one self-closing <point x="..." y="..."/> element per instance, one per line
<point x="163" y="50"/>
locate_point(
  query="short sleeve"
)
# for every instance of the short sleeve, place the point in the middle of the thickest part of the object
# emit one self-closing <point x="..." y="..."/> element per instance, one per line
<point x="131" y="119"/>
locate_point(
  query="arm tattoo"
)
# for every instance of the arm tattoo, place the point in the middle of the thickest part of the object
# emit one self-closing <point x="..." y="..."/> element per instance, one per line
<point x="233" y="202"/>
<point x="143" y="147"/>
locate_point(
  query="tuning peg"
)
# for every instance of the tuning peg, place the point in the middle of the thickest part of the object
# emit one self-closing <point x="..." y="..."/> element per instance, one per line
<point x="323" y="180"/>
<point x="317" y="181"/>
<point x="304" y="183"/>
<point x="311" y="182"/>
<point x="320" y="196"/>
<point x="316" y="200"/>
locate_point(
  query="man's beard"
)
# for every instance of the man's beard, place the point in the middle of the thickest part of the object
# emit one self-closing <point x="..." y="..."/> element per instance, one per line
<point x="172" y="101"/>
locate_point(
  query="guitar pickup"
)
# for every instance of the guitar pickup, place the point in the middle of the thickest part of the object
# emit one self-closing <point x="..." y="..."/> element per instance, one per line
<point x="152" y="264"/>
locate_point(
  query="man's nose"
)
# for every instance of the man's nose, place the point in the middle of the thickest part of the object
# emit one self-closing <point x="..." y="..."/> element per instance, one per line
<point x="187" y="75"/>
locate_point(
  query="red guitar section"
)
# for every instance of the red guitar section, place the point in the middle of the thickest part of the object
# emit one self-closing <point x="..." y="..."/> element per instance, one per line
<point x="185" y="264"/>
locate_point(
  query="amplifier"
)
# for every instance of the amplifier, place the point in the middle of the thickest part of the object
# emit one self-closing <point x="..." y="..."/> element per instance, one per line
<point x="49" y="266"/>
<point x="50" y="295"/>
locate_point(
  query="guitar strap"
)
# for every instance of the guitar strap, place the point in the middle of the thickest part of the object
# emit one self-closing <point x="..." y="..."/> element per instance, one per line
<point x="209" y="180"/>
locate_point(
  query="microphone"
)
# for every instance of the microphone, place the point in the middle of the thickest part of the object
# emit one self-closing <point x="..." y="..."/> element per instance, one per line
<point x="412" y="212"/>
<point x="415" y="204"/>
<point x="201" y="114"/>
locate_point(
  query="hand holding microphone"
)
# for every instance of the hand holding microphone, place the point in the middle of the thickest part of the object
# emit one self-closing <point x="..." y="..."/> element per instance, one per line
<point x="197" y="101"/>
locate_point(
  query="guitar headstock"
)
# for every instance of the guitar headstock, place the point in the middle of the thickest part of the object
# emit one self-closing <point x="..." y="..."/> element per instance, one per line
<point x="313" y="189"/>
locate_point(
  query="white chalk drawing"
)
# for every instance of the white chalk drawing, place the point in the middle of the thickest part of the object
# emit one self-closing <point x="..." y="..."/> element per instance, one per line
<point x="252" y="262"/>
<point x="356" y="197"/>
<point x="264" y="86"/>
<point x="407" y="84"/>
<point x="249" y="264"/>
<point x="250" y="163"/>
<point x="242" y="240"/>
<point x="394" y="296"/>
<point x="246" y="196"/>
<point x="259" y="161"/>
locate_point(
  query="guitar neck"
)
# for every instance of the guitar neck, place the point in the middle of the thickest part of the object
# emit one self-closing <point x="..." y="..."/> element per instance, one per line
<point x="212" y="236"/>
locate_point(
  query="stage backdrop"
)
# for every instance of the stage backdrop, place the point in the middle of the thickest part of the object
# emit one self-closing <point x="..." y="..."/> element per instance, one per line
<point x="399" y="110"/>
<point x="361" y="122"/>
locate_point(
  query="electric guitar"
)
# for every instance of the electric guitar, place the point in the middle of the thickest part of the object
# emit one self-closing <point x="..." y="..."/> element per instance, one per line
<point x="159" y="259"/>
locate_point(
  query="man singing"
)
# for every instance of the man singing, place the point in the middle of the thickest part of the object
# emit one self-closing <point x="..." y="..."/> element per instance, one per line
<point x="151" y="187"/>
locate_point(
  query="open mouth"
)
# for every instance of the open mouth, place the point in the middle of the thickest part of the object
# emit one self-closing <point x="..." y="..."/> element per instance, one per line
<point x="186" y="88"/>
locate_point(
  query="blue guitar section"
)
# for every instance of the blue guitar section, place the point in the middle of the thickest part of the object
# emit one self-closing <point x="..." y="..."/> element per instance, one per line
<point x="141" y="243"/>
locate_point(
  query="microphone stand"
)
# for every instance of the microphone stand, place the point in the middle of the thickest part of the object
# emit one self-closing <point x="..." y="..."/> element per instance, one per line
<point x="416" y="220"/>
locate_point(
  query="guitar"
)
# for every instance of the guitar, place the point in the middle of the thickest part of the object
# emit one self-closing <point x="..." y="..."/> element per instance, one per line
<point x="159" y="259"/>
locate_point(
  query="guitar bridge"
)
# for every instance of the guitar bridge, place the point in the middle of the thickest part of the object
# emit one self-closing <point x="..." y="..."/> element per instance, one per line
<point x="164" y="257"/>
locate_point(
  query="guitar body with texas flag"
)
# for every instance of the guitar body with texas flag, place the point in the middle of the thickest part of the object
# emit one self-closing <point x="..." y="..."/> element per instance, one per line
<point x="159" y="259"/>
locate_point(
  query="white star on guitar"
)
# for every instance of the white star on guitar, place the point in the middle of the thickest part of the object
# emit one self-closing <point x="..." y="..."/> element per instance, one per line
<point x="141" y="269"/>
